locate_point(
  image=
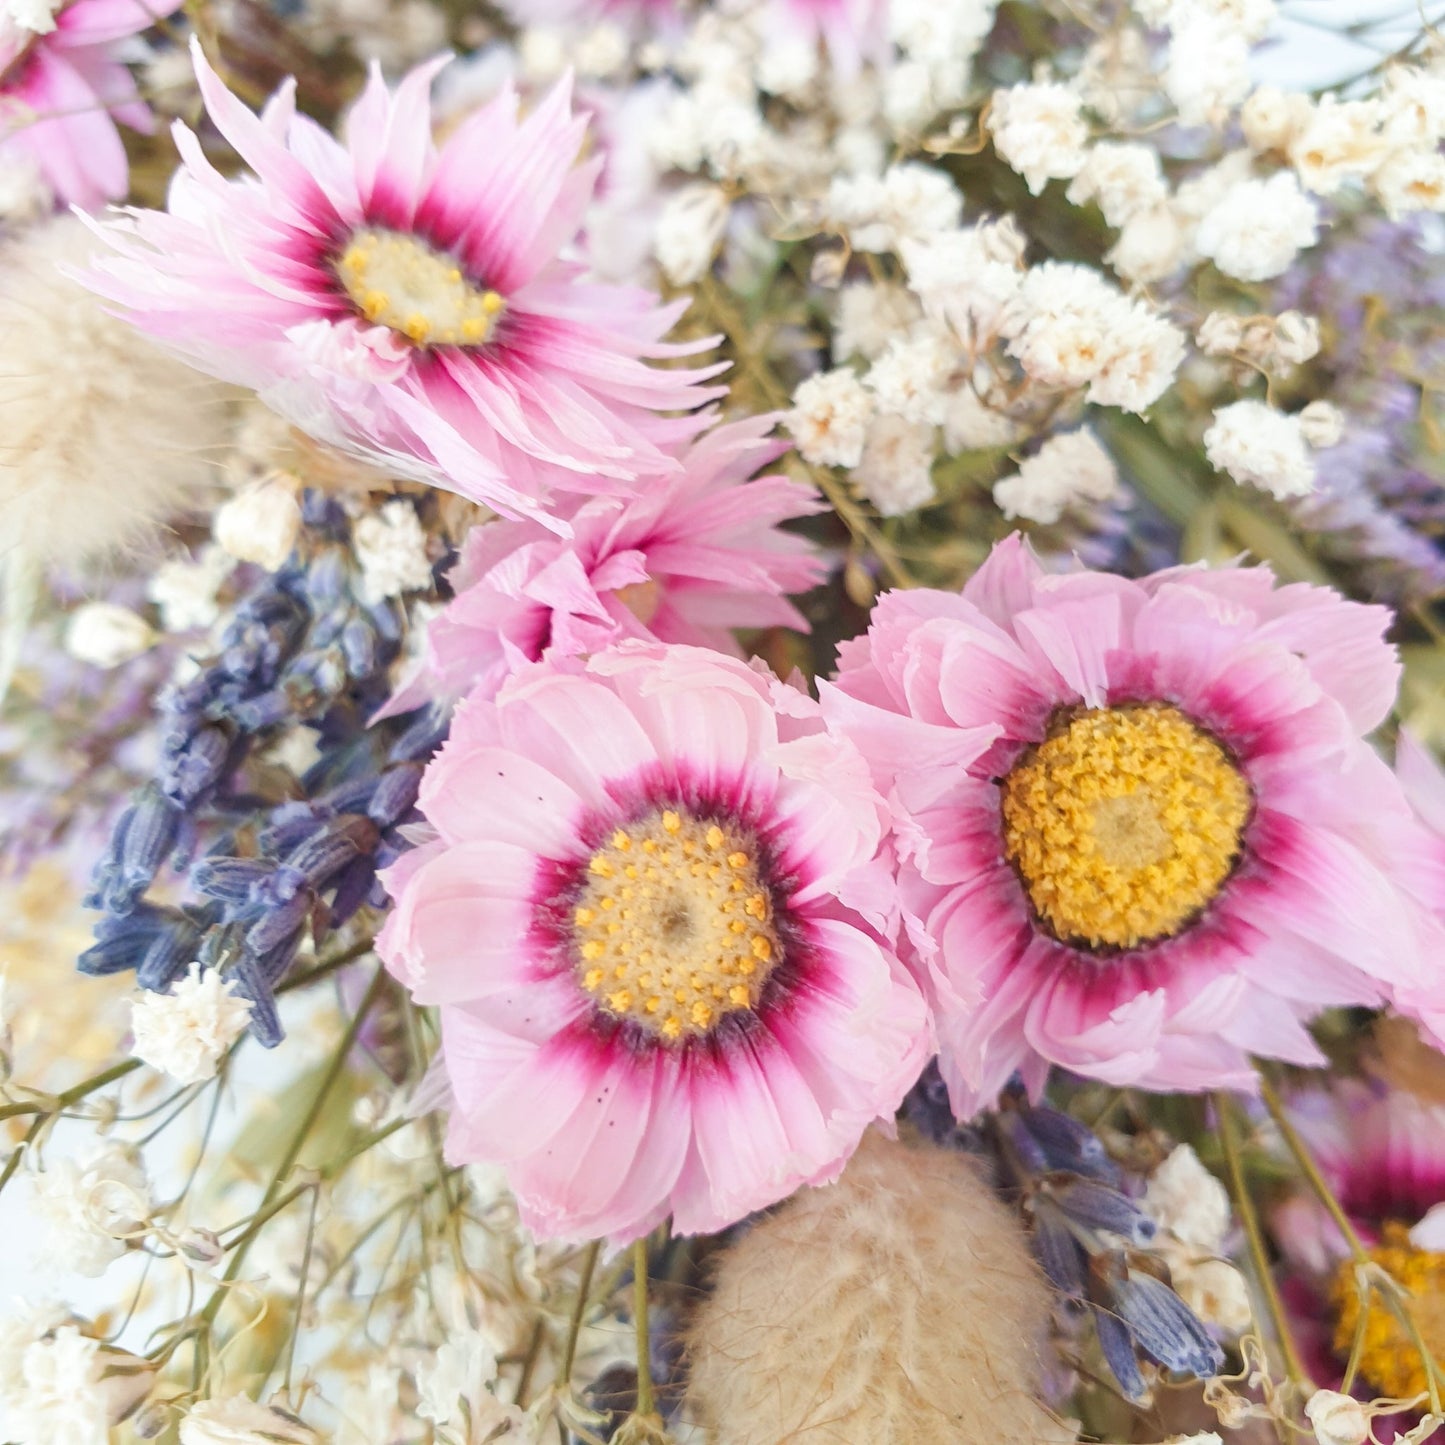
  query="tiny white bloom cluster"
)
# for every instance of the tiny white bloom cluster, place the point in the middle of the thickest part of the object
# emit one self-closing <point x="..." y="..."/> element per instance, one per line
<point x="260" y="524"/>
<point x="1070" y="467"/>
<point x="688" y="231"/>
<point x="1039" y="131"/>
<point x="1258" y="228"/>
<point x="1191" y="1205"/>
<point x="185" y="1033"/>
<point x="391" y="546"/>
<point x="185" y="589"/>
<point x="62" y="1386"/>
<point x="238" y="1420"/>
<point x="454" y="1386"/>
<point x="909" y="202"/>
<point x="1337" y="1419"/>
<point x="895" y="471"/>
<point x="830" y="417"/>
<point x="106" y="635"/>
<point x="92" y="1206"/>
<point x="1270" y="449"/>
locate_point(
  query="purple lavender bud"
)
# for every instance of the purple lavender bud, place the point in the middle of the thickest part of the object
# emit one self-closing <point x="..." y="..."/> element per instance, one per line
<point x="1118" y="1346"/>
<point x="263" y="711"/>
<point x="358" y="647"/>
<point x="395" y="794"/>
<point x="170" y="954"/>
<point x="326" y="577"/>
<point x="230" y="879"/>
<point x="333" y="847"/>
<point x="1070" y="1144"/>
<point x="275" y="927"/>
<point x="274" y="964"/>
<point x="1164" y="1327"/>
<point x="1097" y="1206"/>
<point x="1058" y="1251"/>
<point x="197" y="767"/>
<point x="353" y="888"/>
<point x="422" y="738"/>
<point x="1028" y="1151"/>
<point x="150" y="832"/>
<point x="265" y="1021"/>
<point x="122" y="941"/>
<point x="291" y="825"/>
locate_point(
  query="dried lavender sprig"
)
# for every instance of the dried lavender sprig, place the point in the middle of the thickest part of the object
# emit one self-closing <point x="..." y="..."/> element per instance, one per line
<point x="305" y="645"/>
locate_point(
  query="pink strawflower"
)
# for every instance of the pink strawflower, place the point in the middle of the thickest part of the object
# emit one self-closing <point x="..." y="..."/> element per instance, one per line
<point x="698" y="554"/>
<point x="1142" y="837"/>
<point x="63" y="90"/>
<point x="1424" y="784"/>
<point x="411" y="302"/>
<point x="651" y="919"/>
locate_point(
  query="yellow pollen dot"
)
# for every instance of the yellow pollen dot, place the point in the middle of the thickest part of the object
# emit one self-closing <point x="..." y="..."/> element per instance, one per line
<point x="399" y="281"/>
<point x="683" y="953"/>
<point x="1123" y="824"/>
<point x="1389" y="1359"/>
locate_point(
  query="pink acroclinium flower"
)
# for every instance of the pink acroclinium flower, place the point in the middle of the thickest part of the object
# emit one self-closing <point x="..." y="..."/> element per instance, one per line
<point x="408" y="302"/>
<point x="697" y="555"/>
<point x="1424" y="784"/>
<point x="62" y="92"/>
<point x="1142" y="836"/>
<point x="656" y="924"/>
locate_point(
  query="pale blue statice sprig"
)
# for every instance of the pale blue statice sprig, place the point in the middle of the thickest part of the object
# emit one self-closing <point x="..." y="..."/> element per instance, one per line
<point x="304" y="646"/>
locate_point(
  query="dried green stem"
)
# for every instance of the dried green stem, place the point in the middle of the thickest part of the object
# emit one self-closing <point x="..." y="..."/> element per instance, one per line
<point x="645" y="1403"/>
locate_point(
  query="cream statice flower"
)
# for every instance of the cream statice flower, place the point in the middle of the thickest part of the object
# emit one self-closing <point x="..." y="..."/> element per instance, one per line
<point x="1257" y="444"/>
<point x="105" y="634"/>
<point x="91" y="1207"/>
<point x="829" y="419"/>
<point x="237" y="1420"/>
<point x="391" y="546"/>
<point x="1039" y="131"/>
<point x="1070" y="467"/>
<point x="185" y="1033"/>
<point x="1258" y="228"/>
<point x="895" y="471"/>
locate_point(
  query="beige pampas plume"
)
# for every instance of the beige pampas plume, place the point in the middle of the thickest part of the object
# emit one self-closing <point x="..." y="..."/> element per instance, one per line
<point x="899" y="1306"/>
<point x="102" y="438"/>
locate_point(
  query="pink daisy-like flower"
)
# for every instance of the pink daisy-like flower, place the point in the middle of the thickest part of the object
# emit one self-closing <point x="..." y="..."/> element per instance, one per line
<point x="411" y="302"/>
<point x="698" y="554"/>
<point x="1142" y="836"/>
<point x="654" y="919"/>
<point x="62" y="91"/>
<point x="1424" y="783"/>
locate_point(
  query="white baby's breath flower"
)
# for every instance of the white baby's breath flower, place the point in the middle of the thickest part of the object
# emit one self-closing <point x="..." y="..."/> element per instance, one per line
<point x="970" y="424"/>
<point x="1257" y="229"/>
<point x="895" y="472"/>
<point x="185" y="588"/>
<point x="1322" y="423"/>
<point x="689" y="229"/>
<point x="464" y="1365"/>
<point x="391" y="546"/>
<point x="1189" y="1201"/>
<point x="1294" y="339"/>
<point x="1213" y="1289"/>
<point x="1410" y="180"/>
<point x="911" y="201"/>
<point x="260" y="524"/>
<point x="35" y="16"/>
<point x="1340" y="141"/>
<point x="870" y="317"/>
<point x="966" y="277"/>
<point x="91" y="1205"/>
<point x="106" y="635"/>
<point x="1413" y="105"/>
<point x="1123" y="177"/>
<point x="1151" y="246"/>
<point x="1271" y="118"/>
<point x="185" y="1033"/>
<point x="1337" y="1419"/>
<point x="1058" y="323"/>
<point x="237" y="1420"/>
<point x="28" y="1322"/>
<point x="1207" y="69"/>
<point x="1039" y="131"/>
<point x="1260" y="446"/>
<point x="1141" y="360"/>
<point x="1069" y="467"/>
<point x="71" y="1389"/>
<point x="829" y="419"/>
<point x="908" y="379"/>
<point x="600" y="51"/>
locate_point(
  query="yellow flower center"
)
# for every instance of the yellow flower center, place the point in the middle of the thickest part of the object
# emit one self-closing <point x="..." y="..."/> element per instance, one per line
<point x="399" y="281"/>
<point x="674" y="927"/>
<point x="1123" y="824"/>
<point x="1390" y="1360"/>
